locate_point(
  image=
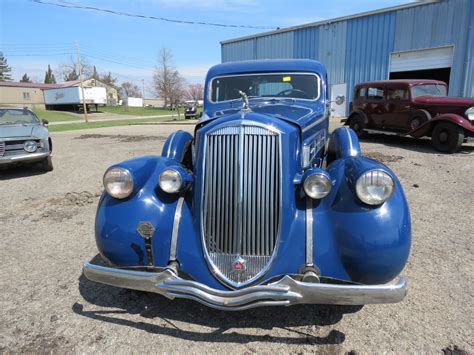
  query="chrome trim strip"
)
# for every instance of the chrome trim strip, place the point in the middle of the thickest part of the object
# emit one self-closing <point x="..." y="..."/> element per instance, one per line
<point x="309" y="231"/>
<point x="315" y="123"/>
<point x="174" y="234"/>
<point x="284" y="292"/>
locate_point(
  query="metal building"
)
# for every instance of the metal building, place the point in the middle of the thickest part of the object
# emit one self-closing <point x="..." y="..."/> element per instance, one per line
<point x="423" y="40"/>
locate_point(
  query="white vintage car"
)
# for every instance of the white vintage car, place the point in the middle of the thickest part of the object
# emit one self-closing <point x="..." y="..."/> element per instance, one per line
<point x="24" y="138"/>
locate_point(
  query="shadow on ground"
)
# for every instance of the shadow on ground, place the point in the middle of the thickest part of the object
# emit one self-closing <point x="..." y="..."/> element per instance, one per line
<point x="20" y="171"/>
<point x="163" y="313"/>
<point x="422" y="145"/>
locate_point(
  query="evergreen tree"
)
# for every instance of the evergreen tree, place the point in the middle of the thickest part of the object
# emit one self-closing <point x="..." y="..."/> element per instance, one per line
<point x="109" y="80"/>
<point x="72" y="75"/>
<point x="49" y="76"/>
<point x="95" y="75"/>
<point x="25" y="79"/>
<point x="4" y="69"/>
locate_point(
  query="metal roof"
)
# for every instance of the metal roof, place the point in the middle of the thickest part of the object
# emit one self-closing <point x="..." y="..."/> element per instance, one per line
<point x="331" y="21"/>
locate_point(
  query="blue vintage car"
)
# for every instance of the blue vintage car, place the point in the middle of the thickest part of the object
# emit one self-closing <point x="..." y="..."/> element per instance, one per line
<point x="254" y="210"/>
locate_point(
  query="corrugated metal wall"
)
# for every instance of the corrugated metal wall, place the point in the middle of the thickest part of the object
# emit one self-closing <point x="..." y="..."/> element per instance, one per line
<point x="359" y="49"/>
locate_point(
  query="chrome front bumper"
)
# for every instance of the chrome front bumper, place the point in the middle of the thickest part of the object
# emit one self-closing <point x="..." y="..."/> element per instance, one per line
<point x="284" y="292"/>
<point x="23" y="157"/>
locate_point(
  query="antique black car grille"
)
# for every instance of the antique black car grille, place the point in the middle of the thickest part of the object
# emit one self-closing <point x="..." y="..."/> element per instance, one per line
<point x="241" y="201"/>
<point x="2" y="149"/>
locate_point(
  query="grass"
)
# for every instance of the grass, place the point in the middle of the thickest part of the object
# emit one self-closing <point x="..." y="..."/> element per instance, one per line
<point x="55" y="116"/>
<point x="136" y="111"/>
<point x="99" y="124"/>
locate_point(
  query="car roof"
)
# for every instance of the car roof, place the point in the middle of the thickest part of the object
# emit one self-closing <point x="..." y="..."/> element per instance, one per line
<point x="267" y="65"/>
<point x="409" y="82"/>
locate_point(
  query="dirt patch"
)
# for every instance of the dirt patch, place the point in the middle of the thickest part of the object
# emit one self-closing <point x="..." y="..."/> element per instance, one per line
<point x="74" y="199"/>
<point x="383" y="157"/>
<point x="122" y="138"/>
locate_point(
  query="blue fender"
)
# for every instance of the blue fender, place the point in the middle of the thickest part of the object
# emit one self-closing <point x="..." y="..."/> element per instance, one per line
<point x="176" y="146"/>
<point x="343" y="143"/>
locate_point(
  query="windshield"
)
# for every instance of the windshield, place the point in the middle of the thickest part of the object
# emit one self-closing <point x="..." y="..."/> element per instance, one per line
<point x="297" y="86"/>
<point x="428" y="89"/>
<point x="12" y="116"/>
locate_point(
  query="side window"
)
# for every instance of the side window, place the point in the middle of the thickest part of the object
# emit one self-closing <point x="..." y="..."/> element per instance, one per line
<point x="361" y="92"/>
<point x="26" y="96"/>
<point x="376" y="93"/>
<point x="396" y="94"/>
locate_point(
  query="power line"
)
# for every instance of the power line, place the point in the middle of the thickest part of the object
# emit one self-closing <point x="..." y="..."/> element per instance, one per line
<point x="120" y="13"/>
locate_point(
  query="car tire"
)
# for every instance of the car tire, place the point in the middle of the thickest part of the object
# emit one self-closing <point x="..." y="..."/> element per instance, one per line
<point x="417" y="119"/>
<point x="357" y="125"/>
<point x="447" y="137"/>
<point x="47" y="164"/>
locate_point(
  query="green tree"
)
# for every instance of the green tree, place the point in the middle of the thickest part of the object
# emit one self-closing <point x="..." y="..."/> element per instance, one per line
<point x="95" y="75"/>
<point x="4" y="69"/>
<point x="49" y="77"/>
<point x="72" y="75"/>
<point x="109" y="80"/>
<point x="25" y="79"/>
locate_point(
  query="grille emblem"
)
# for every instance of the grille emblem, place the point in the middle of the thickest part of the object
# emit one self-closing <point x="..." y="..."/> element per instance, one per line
<point x="145" y="229"/>
<point x="238" y="266"/>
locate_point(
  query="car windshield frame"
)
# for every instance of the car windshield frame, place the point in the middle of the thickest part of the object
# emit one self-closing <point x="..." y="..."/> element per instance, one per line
<point x="250" y="97"/>
<point x="436" y="85"/>
<point x="34" y="120"/>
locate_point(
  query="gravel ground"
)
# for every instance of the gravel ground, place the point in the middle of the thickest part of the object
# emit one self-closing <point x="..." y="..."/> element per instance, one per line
<point x="46" y="304"/>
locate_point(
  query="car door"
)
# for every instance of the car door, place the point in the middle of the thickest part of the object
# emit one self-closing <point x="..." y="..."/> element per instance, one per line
<point x="375" y="108"/>
<point x="397" y="108"/>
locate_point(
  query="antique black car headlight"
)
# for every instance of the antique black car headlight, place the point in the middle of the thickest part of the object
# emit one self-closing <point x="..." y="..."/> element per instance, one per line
<point x="171" y="180"/>
<point x="374" y="187"/>
<point x="317" y="184"/>
<point x="470" y="114"/>
<point x="118" y="182"/>
<point x="30" y="146"/>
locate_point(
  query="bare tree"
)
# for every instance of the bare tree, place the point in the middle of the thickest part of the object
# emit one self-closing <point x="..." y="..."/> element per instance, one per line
<point x="167" y="81"/>
<point x="69" y="71"/>
<point x="130" y="90"/>
<point x="195" y="92"/>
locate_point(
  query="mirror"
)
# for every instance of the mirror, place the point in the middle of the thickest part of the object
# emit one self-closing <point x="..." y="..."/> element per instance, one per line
<point x="45" y="122"/>
<point x="339" y="100"/>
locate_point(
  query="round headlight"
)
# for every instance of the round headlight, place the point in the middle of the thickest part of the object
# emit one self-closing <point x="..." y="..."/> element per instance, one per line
<point x="317" y="185"/>
<point x="470" y="113"/>
<point x="118" y="183"/>
<point x="374" y="187"/>
<point x="30" y="146"/>
<point x="170" y="181"/>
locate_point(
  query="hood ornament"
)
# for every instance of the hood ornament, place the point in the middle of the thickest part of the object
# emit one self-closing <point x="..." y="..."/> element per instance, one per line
<point x="245" y="100"/>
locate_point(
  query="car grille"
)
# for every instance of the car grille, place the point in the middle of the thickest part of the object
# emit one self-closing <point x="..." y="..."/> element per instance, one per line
<point x="241" y="201"/>
<point x="2" y="149"/>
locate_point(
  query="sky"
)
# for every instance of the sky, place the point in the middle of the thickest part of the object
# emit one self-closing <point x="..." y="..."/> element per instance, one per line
<point x="33" y="35"/>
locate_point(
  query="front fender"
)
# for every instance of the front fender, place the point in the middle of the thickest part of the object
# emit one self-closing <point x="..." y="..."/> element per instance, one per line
<point x="427" y="127"/>
<point x="176" y="146"/>
<point x="117" y="220"/>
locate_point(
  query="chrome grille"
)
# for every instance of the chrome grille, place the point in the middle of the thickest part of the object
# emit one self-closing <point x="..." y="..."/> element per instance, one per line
<point x="241" y="200"/>
<point x="2" y="149"/>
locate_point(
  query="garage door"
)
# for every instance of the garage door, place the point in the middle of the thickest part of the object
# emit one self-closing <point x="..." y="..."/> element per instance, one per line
<point x="432" y="58"/>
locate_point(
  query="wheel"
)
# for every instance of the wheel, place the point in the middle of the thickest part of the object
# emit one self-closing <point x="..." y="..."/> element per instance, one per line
<point x="417" y="119"/>
<point x="447" y="137"/>
<point x="47" y="164"/>
<point x="358" y="125"/>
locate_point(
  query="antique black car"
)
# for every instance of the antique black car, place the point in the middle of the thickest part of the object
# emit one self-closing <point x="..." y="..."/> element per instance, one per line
<point x="252" y="210"/>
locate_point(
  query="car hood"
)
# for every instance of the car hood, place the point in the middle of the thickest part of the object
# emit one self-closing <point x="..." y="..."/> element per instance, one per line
<point x="444" y="100"/>
<point x="300" y="115"/>
<point x="13" y="131"/>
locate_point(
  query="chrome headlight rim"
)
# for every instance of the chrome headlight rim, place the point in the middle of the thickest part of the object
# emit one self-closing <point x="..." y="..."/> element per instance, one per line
<point x="173" y="186"/>
<point x="373" y="201"/>
<point x="317" y="177"/>
<point x="30" y="146"/>
<point x="129" y="182"/>
<point x="470" y="113"/>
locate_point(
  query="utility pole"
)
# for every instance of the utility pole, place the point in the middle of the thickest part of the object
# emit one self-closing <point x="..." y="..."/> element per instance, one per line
<point x="84" y="106"/>
<point x="143" y="90"/>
